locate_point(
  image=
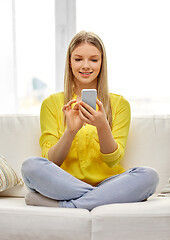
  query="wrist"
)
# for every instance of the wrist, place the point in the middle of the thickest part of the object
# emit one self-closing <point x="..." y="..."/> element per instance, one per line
<point x="103" y="126"/>
<point x="70" y="133"/>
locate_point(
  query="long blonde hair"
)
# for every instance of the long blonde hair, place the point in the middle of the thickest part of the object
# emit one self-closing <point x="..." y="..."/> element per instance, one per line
<point x="102" y="82"/>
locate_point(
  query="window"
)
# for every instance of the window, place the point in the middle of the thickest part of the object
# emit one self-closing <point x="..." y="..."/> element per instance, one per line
<point x="33" y="42"/>
<point x="35" y="52"/>
<point x="34" y="35"/>
<point x="7" y="93"/>
<point x="136" y="36"/>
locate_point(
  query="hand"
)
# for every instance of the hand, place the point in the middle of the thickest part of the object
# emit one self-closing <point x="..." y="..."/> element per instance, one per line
<point x="74" y="123"/>
<point x="90" y="116"/>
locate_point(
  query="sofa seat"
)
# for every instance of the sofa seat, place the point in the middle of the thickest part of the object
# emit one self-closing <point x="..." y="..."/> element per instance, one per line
<point x="19" y="221"/>
<point x="142" y="221"/>
<point x="128" y="221"/>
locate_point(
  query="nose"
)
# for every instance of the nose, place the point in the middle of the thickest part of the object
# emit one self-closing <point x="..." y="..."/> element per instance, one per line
<point x="85" y="65"/>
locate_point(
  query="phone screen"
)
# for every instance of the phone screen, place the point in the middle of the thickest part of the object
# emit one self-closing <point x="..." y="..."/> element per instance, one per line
<point x="89" y="96"/>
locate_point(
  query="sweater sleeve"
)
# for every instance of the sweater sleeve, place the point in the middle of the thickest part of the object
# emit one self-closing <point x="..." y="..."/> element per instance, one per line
<point x="120" y="129"/>
<point x="49" y="126"/>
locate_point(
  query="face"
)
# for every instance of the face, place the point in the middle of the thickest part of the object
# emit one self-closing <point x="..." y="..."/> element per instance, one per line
<point x="85" y="63"/>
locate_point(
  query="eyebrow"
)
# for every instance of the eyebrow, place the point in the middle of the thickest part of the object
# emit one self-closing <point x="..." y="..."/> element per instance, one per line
<point x="77" y="55"/>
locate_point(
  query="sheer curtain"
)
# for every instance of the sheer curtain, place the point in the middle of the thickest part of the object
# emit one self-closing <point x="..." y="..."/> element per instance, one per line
<point x="7" y="85"/>
<point x="34" y="35"/>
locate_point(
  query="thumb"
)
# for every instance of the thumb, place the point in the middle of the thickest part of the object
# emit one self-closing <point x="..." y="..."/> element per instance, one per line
<point x="100" y="105"/>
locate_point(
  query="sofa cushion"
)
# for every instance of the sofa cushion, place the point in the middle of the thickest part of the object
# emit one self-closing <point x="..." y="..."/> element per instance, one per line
<point x="19" y="140"/>
<point x="148" y="145"/>
<point x="8" y="177"/>
<point x="131" y="221"/>
<point x="19" y="221"/>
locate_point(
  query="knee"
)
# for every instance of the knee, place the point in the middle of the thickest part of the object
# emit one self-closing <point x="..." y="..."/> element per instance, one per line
<point x="30" y="166"/>
<point x="151" y="176"/>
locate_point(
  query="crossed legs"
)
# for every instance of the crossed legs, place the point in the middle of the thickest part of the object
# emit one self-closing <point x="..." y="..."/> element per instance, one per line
<point x="46" y="178"/>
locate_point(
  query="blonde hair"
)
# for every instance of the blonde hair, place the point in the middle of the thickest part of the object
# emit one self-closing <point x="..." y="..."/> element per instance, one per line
<point x="102" y="82"/>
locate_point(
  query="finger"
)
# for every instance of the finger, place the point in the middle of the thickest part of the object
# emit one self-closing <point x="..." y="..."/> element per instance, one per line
<point x="66" y="106"/>
<point x="89" y="108"/>
<point x="76" y="106"/>
<point x="71" y="102"/>
<point x="100" y="104"/>
<point x="83" y="118"/>
<point x="86" y="113"/>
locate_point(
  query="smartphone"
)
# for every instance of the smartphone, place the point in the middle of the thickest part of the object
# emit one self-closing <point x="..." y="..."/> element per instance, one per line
<point x="89" y="96"/>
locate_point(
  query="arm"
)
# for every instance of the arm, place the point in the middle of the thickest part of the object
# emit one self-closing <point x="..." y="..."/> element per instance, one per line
<point x="56" y="148"/>
<point x="107" y="142"/>
<point x="98" y="119"/>
<point x="112" y="141"/>
<point x="59" y="151"/>
<point x="120" y="129"/>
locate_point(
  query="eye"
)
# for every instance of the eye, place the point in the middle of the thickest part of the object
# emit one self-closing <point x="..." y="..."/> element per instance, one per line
<point x="77" y="59"/>
<point x="94" y="60"/>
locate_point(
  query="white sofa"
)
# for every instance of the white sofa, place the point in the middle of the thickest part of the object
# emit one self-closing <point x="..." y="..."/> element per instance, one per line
<point x="148" y="145"/>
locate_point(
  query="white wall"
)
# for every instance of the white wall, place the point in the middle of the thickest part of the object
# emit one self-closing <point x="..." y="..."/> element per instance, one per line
<point x="136" y="34"/>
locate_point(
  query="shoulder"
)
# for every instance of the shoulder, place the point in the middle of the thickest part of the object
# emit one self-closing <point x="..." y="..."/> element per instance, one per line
<point x="53" y="104"/>
<point x="53" y="99"/>
<point x="120" y="108"/>
<point x="118" y="100"/>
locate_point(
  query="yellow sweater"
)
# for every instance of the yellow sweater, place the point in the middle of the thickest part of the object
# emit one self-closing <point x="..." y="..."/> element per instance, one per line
<point x="84" y="160"/>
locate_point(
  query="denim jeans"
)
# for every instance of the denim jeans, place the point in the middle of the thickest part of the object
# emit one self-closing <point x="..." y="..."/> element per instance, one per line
<point x="45" y="177"/>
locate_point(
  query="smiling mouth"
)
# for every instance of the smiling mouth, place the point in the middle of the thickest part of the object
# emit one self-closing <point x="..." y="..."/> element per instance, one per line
<point x="85" y="73"/>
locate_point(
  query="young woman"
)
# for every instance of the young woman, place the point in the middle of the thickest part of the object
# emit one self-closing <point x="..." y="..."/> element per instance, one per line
<point x="82" y="147"/>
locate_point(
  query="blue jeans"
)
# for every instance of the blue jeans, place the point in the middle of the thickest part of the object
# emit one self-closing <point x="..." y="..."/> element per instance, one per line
<point x="45" y="177"/>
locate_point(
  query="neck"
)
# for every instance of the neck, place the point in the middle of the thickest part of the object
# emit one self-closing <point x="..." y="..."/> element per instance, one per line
<point x="77" y="89"/>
